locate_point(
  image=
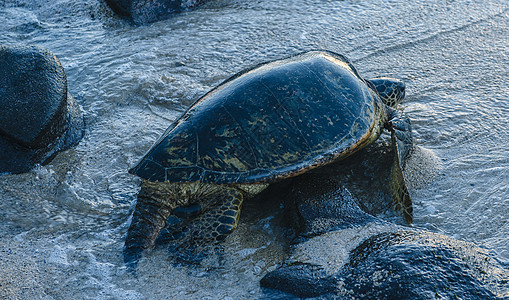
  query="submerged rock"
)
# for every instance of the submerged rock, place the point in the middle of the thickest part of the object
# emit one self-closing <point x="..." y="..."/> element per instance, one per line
<point x="147" y="11"/>
<point x="38" y="116"/>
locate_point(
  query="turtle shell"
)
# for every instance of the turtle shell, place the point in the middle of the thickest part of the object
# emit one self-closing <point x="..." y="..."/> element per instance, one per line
<point x="267" y="123"/>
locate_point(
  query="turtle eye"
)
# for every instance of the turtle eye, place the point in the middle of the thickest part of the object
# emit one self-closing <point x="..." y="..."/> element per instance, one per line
<point x="402" y="89"/>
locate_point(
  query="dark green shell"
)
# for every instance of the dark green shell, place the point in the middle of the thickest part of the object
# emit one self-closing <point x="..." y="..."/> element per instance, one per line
<point x="270" y="122"/>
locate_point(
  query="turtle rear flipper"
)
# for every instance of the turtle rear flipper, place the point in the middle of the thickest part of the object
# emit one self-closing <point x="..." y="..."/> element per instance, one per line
<point x="401" y="136"/>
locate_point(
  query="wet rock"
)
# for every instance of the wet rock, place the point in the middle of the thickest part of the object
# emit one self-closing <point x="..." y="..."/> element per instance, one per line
<point x="421" y="265"/>
<point x="38" y="116"/>
<point x="300" y="279"/>
<point x="147" y="11"/>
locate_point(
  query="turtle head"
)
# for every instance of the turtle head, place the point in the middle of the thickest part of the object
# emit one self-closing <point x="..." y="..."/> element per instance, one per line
<point x="391" y="90"/>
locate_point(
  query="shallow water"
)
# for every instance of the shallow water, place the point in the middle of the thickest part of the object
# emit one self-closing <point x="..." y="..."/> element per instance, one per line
<point x="63" y="225"/>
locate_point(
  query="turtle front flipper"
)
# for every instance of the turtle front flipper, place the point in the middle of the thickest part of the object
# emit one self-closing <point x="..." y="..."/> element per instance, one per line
<point x="401" y="136"/>
<point x="217" y="223"/>
<point x="219" y="216"/>
<point x="191" y="232"/>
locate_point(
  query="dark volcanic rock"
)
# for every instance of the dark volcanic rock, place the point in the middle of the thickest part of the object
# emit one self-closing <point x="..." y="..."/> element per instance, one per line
<point x="421" y="265"/>
<point x="38" y="117"/>
<point x="302" y="280"/>
<point x="146" y="11"/>
<point x="319" y="204"/>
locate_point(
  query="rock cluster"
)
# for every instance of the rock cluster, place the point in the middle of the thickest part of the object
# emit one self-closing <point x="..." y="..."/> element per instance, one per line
<point x="343" y="252"/>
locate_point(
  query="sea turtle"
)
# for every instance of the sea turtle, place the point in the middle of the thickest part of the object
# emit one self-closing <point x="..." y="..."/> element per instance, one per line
<point x="268" y="123"/>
